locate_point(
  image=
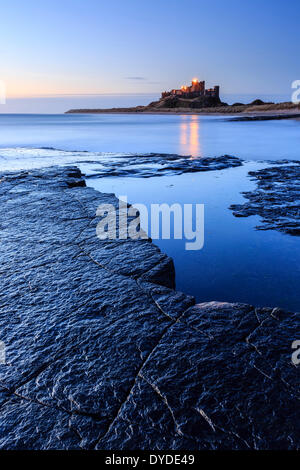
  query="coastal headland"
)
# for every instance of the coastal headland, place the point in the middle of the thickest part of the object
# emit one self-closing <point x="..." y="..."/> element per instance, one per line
<point x="103" y="353"/>
<point x="252" y="111"/>
<point x="196" y="99"/>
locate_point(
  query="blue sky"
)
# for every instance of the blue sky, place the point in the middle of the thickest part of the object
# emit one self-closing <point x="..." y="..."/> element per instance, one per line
<point x="94" y="46"/>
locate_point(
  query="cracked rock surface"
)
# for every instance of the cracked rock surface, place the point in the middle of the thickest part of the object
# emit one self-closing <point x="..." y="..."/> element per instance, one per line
<point x="103" y="353"/>
<point x="276" y="199"/>
<point x="161" y="164"/>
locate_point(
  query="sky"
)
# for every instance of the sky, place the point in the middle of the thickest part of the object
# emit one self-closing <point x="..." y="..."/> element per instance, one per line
<point x="65" y="48"/>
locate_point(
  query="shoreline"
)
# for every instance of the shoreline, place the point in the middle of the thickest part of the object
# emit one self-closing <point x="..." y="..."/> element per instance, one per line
<point x="98" y="338"/>
<point x="268" y="111"/>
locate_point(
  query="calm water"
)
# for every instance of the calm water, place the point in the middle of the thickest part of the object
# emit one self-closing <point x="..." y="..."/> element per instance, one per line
<point x="187" y="135"/>
<point x="237" y="263"/>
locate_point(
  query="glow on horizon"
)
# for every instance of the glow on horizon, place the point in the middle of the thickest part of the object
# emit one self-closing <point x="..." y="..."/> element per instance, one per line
<point x="37" y="90"/>
<point x="41" y="90"/>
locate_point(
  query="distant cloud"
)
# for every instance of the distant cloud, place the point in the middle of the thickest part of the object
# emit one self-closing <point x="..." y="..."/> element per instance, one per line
<point x="143" y="79"/>
<point x="135" y="78"/>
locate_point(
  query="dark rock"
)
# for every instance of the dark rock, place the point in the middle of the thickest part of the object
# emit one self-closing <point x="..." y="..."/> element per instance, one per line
<point x="101" y="354"/>
<point x="276" y="199"/>
<point x="73" y="183"/>
<point x="159" y="164"/>
<point x="267" y="117"/>
<point x="177" y="102"/>
<point x="220" y="378"/>
<point x="75" y="320"/>
<point x="259" y="102"/>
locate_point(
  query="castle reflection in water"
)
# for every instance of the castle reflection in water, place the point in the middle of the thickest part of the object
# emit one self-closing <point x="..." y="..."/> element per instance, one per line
<point x="190" y="136"/>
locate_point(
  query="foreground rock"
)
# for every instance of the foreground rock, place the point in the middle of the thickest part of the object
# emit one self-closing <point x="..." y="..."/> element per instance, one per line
<point x="161" y="164"/>
<point x="276" y="199"/>
<point x="102" y="353"/>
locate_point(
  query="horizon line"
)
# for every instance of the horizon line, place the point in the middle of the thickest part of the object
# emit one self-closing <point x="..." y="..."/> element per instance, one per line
<point x="53" y="95"/>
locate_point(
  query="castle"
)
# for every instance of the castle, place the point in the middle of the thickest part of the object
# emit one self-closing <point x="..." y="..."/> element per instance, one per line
<point x="196" y="89"/>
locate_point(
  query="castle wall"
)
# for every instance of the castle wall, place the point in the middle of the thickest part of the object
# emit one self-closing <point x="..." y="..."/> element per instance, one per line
<point x="196" y="89"/>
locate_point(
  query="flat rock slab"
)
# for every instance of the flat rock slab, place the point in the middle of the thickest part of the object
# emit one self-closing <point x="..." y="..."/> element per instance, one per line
<point x="267" y="117"/>
<point x="276" y="198"/>
<point x="103" y="353"/>
<point x="161" y="164"/>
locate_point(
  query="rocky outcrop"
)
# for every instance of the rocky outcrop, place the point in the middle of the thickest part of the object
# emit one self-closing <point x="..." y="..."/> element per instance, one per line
<point x="276" y="199"/>
<point x="203" y="105"/>
<point x="267" y="117"/>
<point x="220" y="378"/>
<point x="162" y="164"/>
<point x="174" y="101"/>
<point x="102" y="353"/>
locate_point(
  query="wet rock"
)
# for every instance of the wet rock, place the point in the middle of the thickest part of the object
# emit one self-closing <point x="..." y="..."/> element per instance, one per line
<point x="266" y="117"/>
<point x="276" y="199"/>
<point x="158" y="164"/>
<point x="102" y="354"/>
<point x="72" y="183"/>
<point x="76" y="323"/>
<point x="220" y="378"/>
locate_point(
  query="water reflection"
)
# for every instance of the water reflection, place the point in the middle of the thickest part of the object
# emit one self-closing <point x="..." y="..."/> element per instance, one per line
<point x="189" y="136"/>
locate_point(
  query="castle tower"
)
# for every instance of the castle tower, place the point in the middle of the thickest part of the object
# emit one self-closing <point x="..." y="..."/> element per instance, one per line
<point x="195" y="85"/>
<point x="217" y="91"/>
